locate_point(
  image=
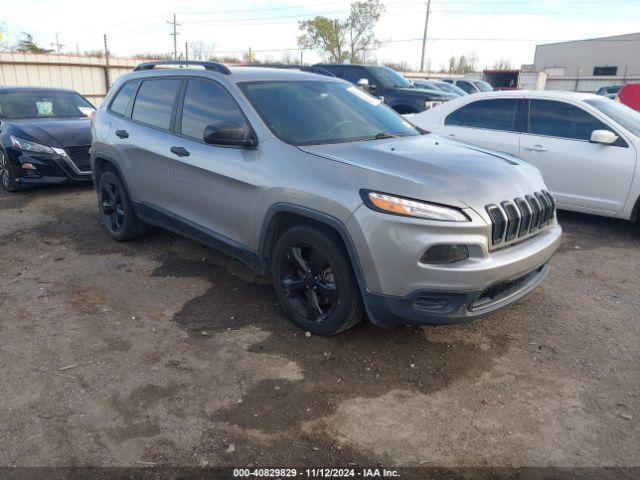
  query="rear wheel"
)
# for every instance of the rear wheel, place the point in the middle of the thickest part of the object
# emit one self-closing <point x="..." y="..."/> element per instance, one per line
<point x="6" y="179"/>
<point x="314" y="281"/>
<point x="118" y="217"/>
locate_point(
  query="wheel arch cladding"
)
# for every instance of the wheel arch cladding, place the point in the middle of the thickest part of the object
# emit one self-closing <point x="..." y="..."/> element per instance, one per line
<point x="280" y="217"/>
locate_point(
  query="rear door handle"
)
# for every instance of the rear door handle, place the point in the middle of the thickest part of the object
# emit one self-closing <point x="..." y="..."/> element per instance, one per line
<point x="536" y="148"/>
<point x="453" y="135"/>
<point x="180" y="151"/>
<point x="122" y="133"/>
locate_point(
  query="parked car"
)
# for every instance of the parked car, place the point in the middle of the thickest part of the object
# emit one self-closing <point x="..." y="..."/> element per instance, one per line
<point x="470" y="86"/>
<point x="629" y="95"/>
<point x="439" y="85"/>
<point x="45" y="135"/>
<point x="585" y="145"/>
<point x="610" y="91"/>
<point x="389" y="85"/>
<point x="343" y="202"/>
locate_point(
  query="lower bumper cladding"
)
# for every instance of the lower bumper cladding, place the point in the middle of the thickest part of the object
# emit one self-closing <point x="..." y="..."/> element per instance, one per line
<point x="426" y="307"/>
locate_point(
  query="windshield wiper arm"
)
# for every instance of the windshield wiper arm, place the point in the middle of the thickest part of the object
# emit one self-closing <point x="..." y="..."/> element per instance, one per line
<point x="383" y="135"/>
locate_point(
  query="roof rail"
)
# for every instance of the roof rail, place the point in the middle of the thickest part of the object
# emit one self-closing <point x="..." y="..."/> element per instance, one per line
<point x="212" y="66"/>
<point x="302" y="68"/>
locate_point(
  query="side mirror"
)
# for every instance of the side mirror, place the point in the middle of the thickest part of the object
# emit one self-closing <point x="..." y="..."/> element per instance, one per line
<point x="604" y="137"/>
<point x="364" y="84"/>
<point x="228" y="134"/>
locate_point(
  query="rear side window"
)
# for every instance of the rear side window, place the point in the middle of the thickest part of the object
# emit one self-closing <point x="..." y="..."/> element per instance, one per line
<point x="490" y="114"/>
<point x="559" y="119"/>
<point x="155" y="100"/>
<point x="207" y="103"/>
<point x="123" y="97"/>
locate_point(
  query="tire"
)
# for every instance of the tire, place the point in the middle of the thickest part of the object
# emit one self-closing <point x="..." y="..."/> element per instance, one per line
<point x="6" y="180"/>
<point x="117" y="215"/>
<point x="314" y="281"/>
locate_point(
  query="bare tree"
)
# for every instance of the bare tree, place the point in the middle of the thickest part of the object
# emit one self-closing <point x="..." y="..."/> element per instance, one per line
<point x="466" y="63"/>
<point x="201" y="50"/>
<point x="502" y="64"/>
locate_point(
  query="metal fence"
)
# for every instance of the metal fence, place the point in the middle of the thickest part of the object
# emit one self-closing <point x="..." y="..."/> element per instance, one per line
<point x="586" y="83"/>
<point x="87" y="75"/>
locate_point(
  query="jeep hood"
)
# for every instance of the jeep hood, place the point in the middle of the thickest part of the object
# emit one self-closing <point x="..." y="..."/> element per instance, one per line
<point x="432" y="168"/>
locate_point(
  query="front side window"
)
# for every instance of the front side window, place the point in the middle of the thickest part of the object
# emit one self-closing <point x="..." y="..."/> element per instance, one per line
<point x="43" y="104"/>
<point x="123" y="97"/>
<point x="354" y="74"/>
<point x="154" y="102"/>
<point x="490" y="114"/>
<point x="563" y="120"/>
<point x="618" y="112"/>
<point x="319" y="112"/>
<point x="483" y="86"/>
<point x="389" y="78"/>
<point x="207" y="103"/>
<point x="466" y="86"/>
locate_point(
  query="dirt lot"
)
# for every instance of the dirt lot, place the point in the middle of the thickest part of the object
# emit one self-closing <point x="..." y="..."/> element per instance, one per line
<point x="161" y="351"/>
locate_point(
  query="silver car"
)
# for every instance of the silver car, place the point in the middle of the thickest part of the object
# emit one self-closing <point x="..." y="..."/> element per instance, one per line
<point x="350" y="208"/>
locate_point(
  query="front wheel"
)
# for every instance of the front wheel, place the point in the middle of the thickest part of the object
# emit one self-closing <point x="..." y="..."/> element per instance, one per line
<point x="314" y="281"/>
<point x="7" y="181"/>
<point x="118" y="217"/>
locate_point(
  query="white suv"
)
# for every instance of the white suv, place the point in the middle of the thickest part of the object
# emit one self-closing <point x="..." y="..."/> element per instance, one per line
<point x="585" y="145"/>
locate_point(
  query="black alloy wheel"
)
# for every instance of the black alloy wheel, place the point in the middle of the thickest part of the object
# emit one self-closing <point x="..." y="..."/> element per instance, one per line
<point x="112" y="207"/>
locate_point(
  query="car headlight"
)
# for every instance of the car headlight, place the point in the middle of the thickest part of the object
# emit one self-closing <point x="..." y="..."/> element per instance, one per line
<point x="429" y="104"/>
<point x="21" y="144"/>
<point x="406" y="207"/>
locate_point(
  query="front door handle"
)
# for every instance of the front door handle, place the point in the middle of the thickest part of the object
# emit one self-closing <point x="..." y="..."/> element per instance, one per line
<point x="453" y="135"/>
<point x="536" y="148"/>
<point x="180" y="151"/>
<point x="122" y="133"/>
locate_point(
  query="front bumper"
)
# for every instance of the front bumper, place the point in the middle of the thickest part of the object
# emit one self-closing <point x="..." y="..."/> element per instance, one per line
<point x="399" y="289"/>
<point x="50" y="168"/>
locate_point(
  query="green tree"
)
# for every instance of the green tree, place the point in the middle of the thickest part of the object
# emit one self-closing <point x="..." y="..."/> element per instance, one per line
<point x="26" y="43"/>
<point x="342" y="40"/>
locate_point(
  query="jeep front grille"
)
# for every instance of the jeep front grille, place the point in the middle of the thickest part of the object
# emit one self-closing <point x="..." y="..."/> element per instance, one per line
<point x="514" y="219"/>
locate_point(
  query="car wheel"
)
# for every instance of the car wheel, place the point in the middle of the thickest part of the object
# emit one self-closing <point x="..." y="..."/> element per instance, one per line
<point x="8" y="182"/>
<point x="118" y="217"/>
<point x="314" y="281"/>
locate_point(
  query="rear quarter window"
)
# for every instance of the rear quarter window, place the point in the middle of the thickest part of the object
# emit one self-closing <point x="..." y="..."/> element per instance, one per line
<point x="121" y="101"/>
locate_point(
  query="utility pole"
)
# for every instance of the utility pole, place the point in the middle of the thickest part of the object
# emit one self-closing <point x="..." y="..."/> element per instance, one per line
<point x="58" y="45"/>
<point x="186" y="51"/>
<point x="107" y="80"/>
<point x="175" y="36"/>
<point x="424" y="37"/>
<point x="301" y="63"/>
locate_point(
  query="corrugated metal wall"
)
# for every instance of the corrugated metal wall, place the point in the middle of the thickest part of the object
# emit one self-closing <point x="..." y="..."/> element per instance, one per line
<point x="86" y="75"/>
<point x="586" y="84"/>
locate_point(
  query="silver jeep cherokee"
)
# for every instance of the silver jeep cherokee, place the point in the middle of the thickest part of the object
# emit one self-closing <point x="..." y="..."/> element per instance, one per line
<point x="350" y="208"/>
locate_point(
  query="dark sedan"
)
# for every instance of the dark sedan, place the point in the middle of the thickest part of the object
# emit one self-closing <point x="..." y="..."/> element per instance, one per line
<point x="45" y="135"/>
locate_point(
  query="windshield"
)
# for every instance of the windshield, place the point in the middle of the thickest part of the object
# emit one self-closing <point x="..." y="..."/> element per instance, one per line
<point x="483" y="86"/>
<point x="389" y="78"/>
<point x="43" y="104"/>
<point x="317" y="112"/>
<point x="625" y="116"/>
<point x="453" y="89"/>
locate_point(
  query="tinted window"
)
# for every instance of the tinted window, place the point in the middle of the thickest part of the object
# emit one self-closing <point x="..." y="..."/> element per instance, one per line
<point x="121" y="101"/>
<point x="354" y="74"/>
<point x="43" y="104"/>
<point x="492" y="114"/>
<point x="604" y="71"/>
<point x="389" y="78"/>
<point x="154" y="102"/>
<point x="625" y="116"/>
<point x="466" y="86"/>
<point x="318" y="112"/>
<point x="558" y="119"/>
<point x="207" y="103"/>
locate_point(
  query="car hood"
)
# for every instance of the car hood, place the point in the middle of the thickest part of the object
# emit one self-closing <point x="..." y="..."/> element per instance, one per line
<point x="54" y="132"/>
<point x="432" y="168"/>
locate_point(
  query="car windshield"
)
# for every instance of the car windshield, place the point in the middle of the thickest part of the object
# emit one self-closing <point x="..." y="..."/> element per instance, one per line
<point x="18" y="105"/>
<point x="625" y="116"/>
<point x="317" y="112"/>
<point x="389" y="78"/>
<point x="483" y="86"/>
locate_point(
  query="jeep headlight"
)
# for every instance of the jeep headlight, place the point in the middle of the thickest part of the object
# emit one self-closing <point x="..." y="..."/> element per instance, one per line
<point x="21" y="144"/>
<point x="407" y="207"/>
<point x="429" y="104"/>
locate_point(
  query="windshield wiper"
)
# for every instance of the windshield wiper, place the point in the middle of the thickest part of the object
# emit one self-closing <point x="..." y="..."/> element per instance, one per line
<point x="383" y="135"/>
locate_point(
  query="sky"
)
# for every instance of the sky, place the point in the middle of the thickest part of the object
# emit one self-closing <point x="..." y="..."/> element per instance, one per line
<point x="491" y="29"/>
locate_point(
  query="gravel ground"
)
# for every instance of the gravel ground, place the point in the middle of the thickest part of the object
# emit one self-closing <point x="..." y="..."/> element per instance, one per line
<point x="161" y="351"/>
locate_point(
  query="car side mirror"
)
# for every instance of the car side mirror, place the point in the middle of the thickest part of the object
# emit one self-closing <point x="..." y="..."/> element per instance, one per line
<point x="363" y="83"/>
<point x="229" y="134"/>
<point x="604" y="137"/>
